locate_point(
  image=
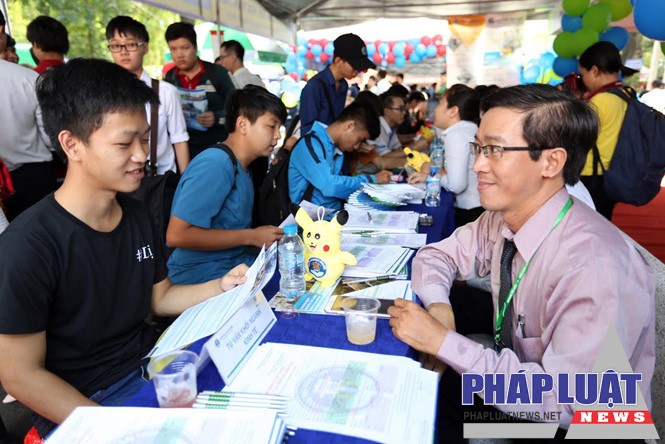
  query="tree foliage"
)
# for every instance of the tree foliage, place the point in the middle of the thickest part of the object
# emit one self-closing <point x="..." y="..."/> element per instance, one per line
<point x="86" y="23"/>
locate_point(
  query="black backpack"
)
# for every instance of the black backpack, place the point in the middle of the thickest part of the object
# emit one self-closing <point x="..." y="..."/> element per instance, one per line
<point x="274" y="201"/>
<point x="638" y="163"/>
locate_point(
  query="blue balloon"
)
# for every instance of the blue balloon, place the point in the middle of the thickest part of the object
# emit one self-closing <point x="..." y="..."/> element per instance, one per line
<point x="398" y="49"/>
<point x="384" y="48"/>
<point x="301" y="51"/>
<point x="570" y="23"/>
<point x="291" y="58"/>
<point x="301" y="41"/>
<point x="290" y="67"/>
<point x="317" y="50"/>
<point x="414" y="57"/>
<point x="301" y="70"/>
<point x="617" y="36"/>
<point x="421" y="50"/>
<point x="371" y="49"/>
<point x="531" y="73"/>
<point x="649" y="17"/>
<point x="330" y="48"/>
<point x="414" y="42"/>
<point x="564" y="66"/>
<point x="546" y="60"/>
<point x="400" y="60"/>
<point x="431" y="51"/>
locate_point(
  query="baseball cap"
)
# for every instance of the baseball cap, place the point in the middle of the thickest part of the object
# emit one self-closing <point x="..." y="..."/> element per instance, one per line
<point x="351" y="48"/>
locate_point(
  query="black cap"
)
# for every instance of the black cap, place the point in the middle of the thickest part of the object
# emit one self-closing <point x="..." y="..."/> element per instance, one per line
<point x="351" y="48"/>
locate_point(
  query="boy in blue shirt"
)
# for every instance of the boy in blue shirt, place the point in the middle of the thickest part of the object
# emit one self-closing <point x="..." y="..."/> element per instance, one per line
<point x="211" y="217"/>
<point x="317" y="158"/>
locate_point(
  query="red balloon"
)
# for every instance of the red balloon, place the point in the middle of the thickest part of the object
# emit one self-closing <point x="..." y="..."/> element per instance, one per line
<point x="391" y="45"/>
<point x="377" y="43"/>
<point x="324" y="57"/>
<point x="376" y="57"/>
<point x="294" y="76"/>
<point x="390" y="57"/>
<point x="309" y="55"/>
<point x="441" y="50"/>
<point x="324" y="42"/>
<point x="425" y="40"/>
<point x="437" y="39"/>
<point x="408" y="49"/>
<point x="311" y="42"/>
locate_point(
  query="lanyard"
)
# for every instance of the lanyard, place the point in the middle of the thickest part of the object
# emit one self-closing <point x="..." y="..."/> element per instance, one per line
<point x="502" y="311"/>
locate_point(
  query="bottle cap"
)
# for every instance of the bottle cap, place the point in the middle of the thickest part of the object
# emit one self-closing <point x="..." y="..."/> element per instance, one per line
<point x="290" y="229"/>
<point x="433" y="169"/>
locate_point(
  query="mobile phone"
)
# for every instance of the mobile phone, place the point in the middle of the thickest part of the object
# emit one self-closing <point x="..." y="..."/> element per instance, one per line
<point x="425" y="220"/>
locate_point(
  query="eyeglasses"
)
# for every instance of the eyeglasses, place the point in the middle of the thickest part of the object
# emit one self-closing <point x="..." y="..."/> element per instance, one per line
<point x="131" y="47"/>
<point x="496" y="151"/>
<point x="398" y="108"/>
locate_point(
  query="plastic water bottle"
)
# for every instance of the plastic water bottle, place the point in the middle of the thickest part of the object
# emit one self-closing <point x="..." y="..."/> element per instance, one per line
<point x="433" y="188"/>
<point x="436" y="152"/>
<point x="291" y="264"/>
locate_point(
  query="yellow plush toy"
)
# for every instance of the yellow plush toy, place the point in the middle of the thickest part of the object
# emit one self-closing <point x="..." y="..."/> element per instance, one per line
<point x="428" y="133"/>
<point x="323" y="259"/>
<point x="414" y="160"/>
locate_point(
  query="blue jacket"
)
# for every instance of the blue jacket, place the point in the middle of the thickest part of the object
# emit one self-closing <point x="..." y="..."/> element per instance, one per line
<point x="321" y="167"/>
<point x="314" y="105"/>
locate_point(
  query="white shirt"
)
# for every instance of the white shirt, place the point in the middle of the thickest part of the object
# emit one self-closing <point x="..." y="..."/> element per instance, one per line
<point x="243" y="77"/>
<point x="387" y="140"/>
<point x="171" y="128"/>
<point x="22" y="137"/>
<point x="655" y="99"/>
<point x="460" y="178"/>
<point x="383" y="86"/>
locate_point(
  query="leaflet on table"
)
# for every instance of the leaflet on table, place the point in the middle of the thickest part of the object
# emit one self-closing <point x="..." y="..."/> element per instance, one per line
<point x="110" y="425"/>
<point x="386" y="293"/>
<point x="382" y="221"/>
<point x="409" y="240"/>
<point x="387" y="399"/>
<point x="206" y="318"/>
<point x="393" y="193"/>
<point x="377" y="260"/>
<point x="193" y="102"/>
<point x="311" y="209"/>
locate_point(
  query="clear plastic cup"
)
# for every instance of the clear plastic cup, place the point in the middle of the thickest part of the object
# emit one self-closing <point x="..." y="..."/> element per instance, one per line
<point x="360" y="314"/>
<point x="174" y="376"/>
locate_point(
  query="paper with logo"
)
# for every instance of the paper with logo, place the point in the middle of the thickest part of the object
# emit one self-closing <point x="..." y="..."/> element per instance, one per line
<point x="209" y="316"/>
<point x="387" y="399"/>
<point x="193" y="102"/>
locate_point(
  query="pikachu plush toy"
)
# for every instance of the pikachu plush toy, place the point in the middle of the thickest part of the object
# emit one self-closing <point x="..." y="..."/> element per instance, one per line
<point x="414" y="160"/>
<point x="323" y="259"/>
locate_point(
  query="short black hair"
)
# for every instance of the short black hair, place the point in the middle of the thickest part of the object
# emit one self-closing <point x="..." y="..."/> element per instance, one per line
<point x="11" y="43"/>
<point x="388" y="99"/>
<point x="551" y="119"/>
<point x="126" y="26"/>
<point x="77" y="95"/>
<point x="466" y="99"/>
<point x="416" y="96"/>
<point x="252" y="102"/>
<point x="49" y="34"/>
<point x="382" y="73"/>
<point x="364" y="116"/>
<point x="179" y="30"/>
<point x="235" y="47"/>
<point x="369" y="98"/>
<point x="606" y="57"/>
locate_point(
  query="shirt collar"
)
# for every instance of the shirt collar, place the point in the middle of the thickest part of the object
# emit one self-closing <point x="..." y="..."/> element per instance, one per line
<point x="535" y="230"/>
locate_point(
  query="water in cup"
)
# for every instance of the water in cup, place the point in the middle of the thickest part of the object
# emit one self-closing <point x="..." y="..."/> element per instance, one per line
<point x="174" y="376"/>
<point x="360" y="314"/>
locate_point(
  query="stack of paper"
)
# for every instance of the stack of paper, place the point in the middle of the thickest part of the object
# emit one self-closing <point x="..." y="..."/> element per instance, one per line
<point x="112" y="425"/>
<point x="387" y="399"/>
<point x="407" y="240"/>
<point x="376" y="261"/>
<point x="369" y="222"/>
<point x="384" y="196"/>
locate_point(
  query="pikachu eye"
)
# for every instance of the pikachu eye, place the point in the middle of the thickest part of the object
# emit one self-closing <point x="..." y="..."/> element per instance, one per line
<point x="309" y="234"/>
<point x="317" y="236"/>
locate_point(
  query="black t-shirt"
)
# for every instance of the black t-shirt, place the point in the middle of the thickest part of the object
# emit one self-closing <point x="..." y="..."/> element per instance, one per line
<point x="89" y="291"/>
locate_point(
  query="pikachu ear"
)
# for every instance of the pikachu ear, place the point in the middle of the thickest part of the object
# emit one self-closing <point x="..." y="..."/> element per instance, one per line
<point x="342" y="217"/>
<point x="303" y="218"/>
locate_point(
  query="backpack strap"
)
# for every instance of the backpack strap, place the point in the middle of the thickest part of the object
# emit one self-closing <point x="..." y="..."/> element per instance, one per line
<point x="326" y="92"/>
<point x="154" y="127"/>
<point x="229" y="152"/>
<point x="309" y="191"/>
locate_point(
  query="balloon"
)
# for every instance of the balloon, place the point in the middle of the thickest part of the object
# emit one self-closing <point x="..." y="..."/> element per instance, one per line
<point x="301" y="70"/>
<point x="421" y="50"/>
<point x="291" y="58"/>
<point x="620" y="8"/>
<point x="597" y="17"/>
<point x="324" y="42"/>
<point x="425" y="40"/>
<point x="570" y="23"/>
<point x="431" y="51"/>
<point x="316" y="50"/>
<point x="324" y="57"/>
<point x="378" y="43"/>
<point x="441" y="50"/>
<point x="329" y="48"/>
<point x="371" y="49"/>
<point x="531" y="73"/>
<point x="617" y="36"/>
<point x="390" y="57"/>
<point x="398" y="49"/>
<point x="414" y="58"/>
<point x="383" y="48"/>
<point x="273" y="87"/>
<point x="289" y="100"/>
<point x="377" y="57"/>
<point x="582" y="39"/>
<point x="301" y="41"/>
<point x="575" y="7"/>
<point x="437" y="39"/>
<point x="649" y="18"/>
<point x="400" y="61"/>
<point x="301" y="51"/>
<point x="391" y="45"/>
<point x="414" y="42"/>
<point x="564" y="44"/>
<point x="309" y="55"/>
<point x="564" y="66"/>
<point x="408" y="49"/>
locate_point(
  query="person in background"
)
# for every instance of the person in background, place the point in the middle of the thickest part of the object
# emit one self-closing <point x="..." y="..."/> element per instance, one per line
<point x="128" y="42"/>
<point x="442" y="85"/>
<point x="211" y="219"/>
<point x="86" y="266"/>
<point x="656" y="97"/>
<point x="383" y="83"/>
<point x="575" y="288"/>
<point x="9" y="53"/>
<point x="399" y="81"/>
<point x="600" y="66"/>
<point x="324" y="96"/>
<point x="371" y="83"/>
<point x="231" y="56"/>
<point x="416" y="113"/>
<point x="321" y="165"/>
<point x="192" y="73"/>
<point x="458" y="116"/>
<point x="50" y="42"/>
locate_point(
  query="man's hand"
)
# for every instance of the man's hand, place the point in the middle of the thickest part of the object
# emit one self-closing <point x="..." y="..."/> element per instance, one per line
<point x="266" y="235"/>
<point x="383" y="176"/>
<point x="417" y="178"/>
<point x="413" y="325"/>
<point x="206" y="119"/>
<point x="365" y="148"/>
<point x="233" y="278"/>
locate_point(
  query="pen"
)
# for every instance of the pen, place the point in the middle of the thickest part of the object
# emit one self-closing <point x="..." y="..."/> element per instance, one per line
<point x="386" y="278"/>
<point x="369" y="217"/>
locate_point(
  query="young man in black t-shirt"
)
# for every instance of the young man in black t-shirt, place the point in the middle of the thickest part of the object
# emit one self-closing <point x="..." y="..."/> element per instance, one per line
<point x="82" y="268"/>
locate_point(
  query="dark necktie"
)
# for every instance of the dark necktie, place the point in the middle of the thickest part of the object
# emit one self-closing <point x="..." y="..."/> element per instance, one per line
<point x="506" y="336"/>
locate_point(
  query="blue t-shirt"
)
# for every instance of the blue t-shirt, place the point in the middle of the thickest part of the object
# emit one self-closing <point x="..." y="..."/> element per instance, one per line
<point x="205" y="198"/>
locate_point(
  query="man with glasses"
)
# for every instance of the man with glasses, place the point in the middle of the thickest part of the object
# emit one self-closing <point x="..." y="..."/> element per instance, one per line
<point x="129" y="42"/>
<point x="231" y="55"/>
<point x="562" y="276"/>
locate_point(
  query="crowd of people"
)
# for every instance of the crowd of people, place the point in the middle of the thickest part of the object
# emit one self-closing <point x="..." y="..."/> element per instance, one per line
<point x="87" y="265"/>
